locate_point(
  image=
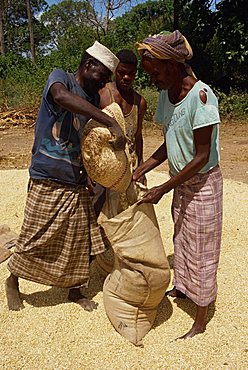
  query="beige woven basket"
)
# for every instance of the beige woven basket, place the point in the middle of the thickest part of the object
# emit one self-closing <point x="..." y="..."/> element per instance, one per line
<point x="104" y="164"/>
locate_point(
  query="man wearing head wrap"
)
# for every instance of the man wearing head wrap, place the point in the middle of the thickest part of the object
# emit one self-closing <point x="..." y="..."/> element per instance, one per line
<point x="188" y="111"/>
<point x="59" y="232"/>
<point x="167" y="45"/>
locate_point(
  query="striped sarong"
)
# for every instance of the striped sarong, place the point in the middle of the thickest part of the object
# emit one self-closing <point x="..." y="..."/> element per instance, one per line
<point x="197" y="216"/>
<point x="58" y="235"/>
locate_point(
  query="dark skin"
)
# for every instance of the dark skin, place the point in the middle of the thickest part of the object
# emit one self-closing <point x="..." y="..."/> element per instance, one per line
<point x="172" y="76"/>
<point x="125" y="95"/>
<point x="91" y="77"/>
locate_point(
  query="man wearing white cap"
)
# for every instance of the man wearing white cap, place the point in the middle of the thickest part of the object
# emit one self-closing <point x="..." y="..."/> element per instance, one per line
<point x="59" y="232"/>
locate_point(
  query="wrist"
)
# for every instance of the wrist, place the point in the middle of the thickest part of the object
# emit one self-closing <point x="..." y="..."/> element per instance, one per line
<point x="166" y="188"/>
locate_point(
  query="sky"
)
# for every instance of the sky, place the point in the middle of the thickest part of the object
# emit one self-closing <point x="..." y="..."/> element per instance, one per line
<point x="123" y="9"/>
<point x="134" y="3"/>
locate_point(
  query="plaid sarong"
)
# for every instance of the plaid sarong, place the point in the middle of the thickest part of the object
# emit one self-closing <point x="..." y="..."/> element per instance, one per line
<point x="58" y="235"/>
<point x="197" y="216"/>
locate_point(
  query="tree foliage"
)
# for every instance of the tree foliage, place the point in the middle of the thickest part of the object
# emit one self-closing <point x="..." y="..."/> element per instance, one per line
<point x="107" y="9"/>
<point x="69" y="22"/>
<point x="15" y="25"/>
<point x="232" y="34"/>
<point x="144" y="19"/>
<point x="62" y="32"/>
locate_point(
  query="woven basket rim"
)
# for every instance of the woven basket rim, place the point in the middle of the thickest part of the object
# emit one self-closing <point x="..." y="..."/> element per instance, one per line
<point x="120" y="176"/>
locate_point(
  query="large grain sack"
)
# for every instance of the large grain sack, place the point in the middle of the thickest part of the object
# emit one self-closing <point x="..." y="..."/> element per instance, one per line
<point x="8" y="239"/>
<point x="141" y="273"/>
<point x="116" y="203"/>
<point x="109" y="167"/>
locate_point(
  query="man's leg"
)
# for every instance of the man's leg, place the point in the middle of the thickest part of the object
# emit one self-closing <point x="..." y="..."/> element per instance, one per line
<point x="199" y="325"/>
<point x="13" y="293"/>
<point x="175" y="293"/>
<point x="76" y="296"/>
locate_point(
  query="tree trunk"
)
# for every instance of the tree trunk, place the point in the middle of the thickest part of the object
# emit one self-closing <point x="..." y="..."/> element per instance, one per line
<point x="176" y="15"/>
<point x="2" y="48"/>
<point x="31" y="34"/>
<point x="108" y="8"/>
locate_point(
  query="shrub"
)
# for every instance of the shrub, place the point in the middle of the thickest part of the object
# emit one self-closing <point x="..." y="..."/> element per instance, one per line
<point x="17" y="95"/>
<point x="22" y="83"/>
<point x="151" y="96"/>
<point x="234" y="105"/>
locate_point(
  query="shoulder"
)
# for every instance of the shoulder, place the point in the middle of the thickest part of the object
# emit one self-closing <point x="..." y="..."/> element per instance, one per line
<point x="58" y="76"/>
<point x="141" y="101"/>
<point x="107" y="86"/>
<point x="204" y="106"/>
<point x="105" y="96"/>
<point x="203" y="93"/>
<point x="58" y="73"/>
<point x="209" y="93"/>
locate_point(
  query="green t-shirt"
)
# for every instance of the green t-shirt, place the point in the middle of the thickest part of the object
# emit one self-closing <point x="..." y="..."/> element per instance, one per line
<point x="181" y="119"/>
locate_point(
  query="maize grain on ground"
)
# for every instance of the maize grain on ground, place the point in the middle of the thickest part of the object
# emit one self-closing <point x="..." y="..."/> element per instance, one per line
<point x="52" y="333"/>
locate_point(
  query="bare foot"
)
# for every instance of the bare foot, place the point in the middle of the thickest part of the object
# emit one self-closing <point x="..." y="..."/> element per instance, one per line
<point x="175" y="293"/>
<point x="193" y="331"/>
<point x="76" y="296"/>
<point x="13" y="294"/>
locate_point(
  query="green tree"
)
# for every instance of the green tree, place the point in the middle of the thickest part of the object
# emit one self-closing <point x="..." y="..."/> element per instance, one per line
<point x="68" y="24"/>
<point x="144" y="19"/>
<point x="15" y="22"/>
<point x="2" y="14"/>
<point x="133" y="26"/>
<point x="107" y="11"/>
<point x="195" y="19"/>
<point x="232" y="34"/>
<point x="31" y="31"/>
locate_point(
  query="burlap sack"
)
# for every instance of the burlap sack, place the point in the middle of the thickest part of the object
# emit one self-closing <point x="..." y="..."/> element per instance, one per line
<point x="141" y="273"/>
<point x="8" y="239"/>
<point x="116" y="203"/>
<point x="109" y="167"/>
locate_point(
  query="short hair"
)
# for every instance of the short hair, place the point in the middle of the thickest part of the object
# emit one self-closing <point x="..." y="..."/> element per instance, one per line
<point x="127" y="56"/>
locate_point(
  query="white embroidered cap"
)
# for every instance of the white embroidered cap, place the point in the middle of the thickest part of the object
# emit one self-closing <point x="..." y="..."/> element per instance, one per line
<point x="104" y="55"/>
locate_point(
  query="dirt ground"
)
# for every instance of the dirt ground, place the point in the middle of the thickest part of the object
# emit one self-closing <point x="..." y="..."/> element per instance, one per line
<point x="53" y="333"/>
<point x="16" y="144"/>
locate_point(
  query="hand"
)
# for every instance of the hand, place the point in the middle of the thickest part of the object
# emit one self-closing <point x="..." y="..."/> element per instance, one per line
<point x="90" y="186"/>
<point x="138" y="175"/>
<point x="143" y="180"/>
<point x="119" y="140"/>
<point x="152" y="196"/>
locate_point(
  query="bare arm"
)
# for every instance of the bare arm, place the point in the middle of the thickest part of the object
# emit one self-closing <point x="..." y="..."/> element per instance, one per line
<point x="202" y="139"/>
<point x="138" y="135"/>
<point x="155" y="160"/>
<point x="105" y="97"/>
<point x="76" y="104"/>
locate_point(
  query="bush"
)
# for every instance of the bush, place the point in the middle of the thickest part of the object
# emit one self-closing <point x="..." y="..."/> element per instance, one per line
<point x="234" y="105"/>
<point x="17" y="95"/>
<point x="151" y="96"/>
<point x="22" y="83"/>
